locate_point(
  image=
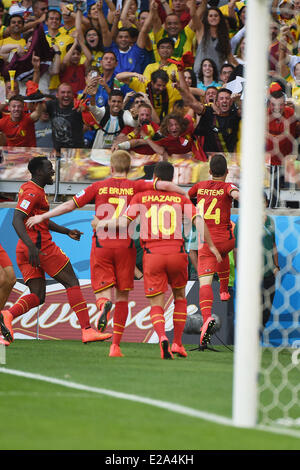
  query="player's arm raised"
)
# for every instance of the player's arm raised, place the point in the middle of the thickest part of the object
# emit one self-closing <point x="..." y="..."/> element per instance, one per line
<point x="235" y="194"/>
<point x="169" y="186"/>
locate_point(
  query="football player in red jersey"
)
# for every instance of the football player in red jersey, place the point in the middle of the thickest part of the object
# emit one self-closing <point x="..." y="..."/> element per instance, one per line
<point x="37" y="254"/>
<point x="7" y="281"/>
<point x="214" y="200"/>
<point x="112" y="258"/>
<point x="165" y="260"/>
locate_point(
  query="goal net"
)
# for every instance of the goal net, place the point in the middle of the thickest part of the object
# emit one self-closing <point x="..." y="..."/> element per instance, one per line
<point x="267" y="328"/>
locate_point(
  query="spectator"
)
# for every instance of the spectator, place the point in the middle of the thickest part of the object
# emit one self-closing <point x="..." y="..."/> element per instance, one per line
<point x="93" y="42"/>
<point x="274" y="48"/>
<point x="68" y="18"/>
<point x="111" y="118"/>
<point x="211" y="94"/>
<point x="190" y="78"/>
<point x="283" y="128"/>
<point x="71" y="71"/>
<point x="136" y="138"/>
<point x="67" y="122"/>
<point x="39" y="11"/>
<point x="91" y="21"/>
<point x="22" y="8"/>
<point x="174" y="136"/>
<point x="225" y="72"/>
<point x="208" y="75"/>
<point x="130" y="57"/>
<point x="183" y="37"/>
<point x="54" y="36"/>
<point x="106" y="81"/>
<point x="181" y="9"/>
<point x="290" y="70"/>
<point x="213" y="39"/>
<point x="159" y="90"/>
<point x="10" y="91"/>
<point x="165" y="50"/>
<point x="219" y="124"/>
<point x="18" y="126"/>
<point x="16" y="23"/>
<point x="43" y="131"/>
<point x="129" y="14"/>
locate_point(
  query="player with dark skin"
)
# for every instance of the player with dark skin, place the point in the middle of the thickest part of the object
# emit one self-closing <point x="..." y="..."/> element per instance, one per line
<point x="67" y="276"/>
<point x="37" y="254"/>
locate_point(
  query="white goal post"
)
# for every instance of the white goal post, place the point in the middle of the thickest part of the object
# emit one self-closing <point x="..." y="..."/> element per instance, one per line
<point x="249" y="262"/>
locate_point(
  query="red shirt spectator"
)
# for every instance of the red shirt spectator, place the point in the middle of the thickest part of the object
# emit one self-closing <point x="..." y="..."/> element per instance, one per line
<point x="283" y="128"/>
<point x="18" y="126"/>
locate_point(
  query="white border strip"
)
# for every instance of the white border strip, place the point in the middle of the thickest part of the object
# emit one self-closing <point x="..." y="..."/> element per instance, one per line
<point x="173" y="407"/>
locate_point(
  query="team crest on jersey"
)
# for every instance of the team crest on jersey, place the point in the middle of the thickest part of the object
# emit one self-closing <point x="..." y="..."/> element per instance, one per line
<point x="81" y="193"/>
<point x="25" y="204"/>
<point x="130" y="60"/>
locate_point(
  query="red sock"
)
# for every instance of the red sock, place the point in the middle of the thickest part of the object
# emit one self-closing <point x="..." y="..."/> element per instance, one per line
<point x="24" y="304"/>
<point x="100" y="302"/>
<point x="78" y="304"/>
<point x="158" y="320"/>
<point x="179" y="319"/>
<point x="120" y="317"/>
<point x="223" y="273"/>
<point x="206" y="298"/>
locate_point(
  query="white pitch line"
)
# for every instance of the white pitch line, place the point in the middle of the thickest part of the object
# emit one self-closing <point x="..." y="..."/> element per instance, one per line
<point x="176" y="408"/>
<point x="124" y="396"/>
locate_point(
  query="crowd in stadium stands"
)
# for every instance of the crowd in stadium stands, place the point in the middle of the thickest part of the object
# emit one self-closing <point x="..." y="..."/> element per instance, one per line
<point x="155" y="76"/>
<point x="79" y="67"/>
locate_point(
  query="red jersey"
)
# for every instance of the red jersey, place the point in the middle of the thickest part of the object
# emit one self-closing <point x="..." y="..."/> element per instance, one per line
<point x="111" y="197"/>
<point x="161" y="214"/>
<point x="32" y="201"/>
<point x="286" y="128"/>
<point x="18" y="133"/>
<point x="135" y="133"/>
<point x="74" y="75"/>
<point x="214" y="204"/>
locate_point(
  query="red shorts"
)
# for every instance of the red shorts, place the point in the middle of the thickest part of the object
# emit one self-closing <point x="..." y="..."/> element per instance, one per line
<point x="112" y="267"/>
<point x="52" y="261"/>
<point x="161" y="270"/>
<point x="207" y="262"/>
<point x="4" y="258"/>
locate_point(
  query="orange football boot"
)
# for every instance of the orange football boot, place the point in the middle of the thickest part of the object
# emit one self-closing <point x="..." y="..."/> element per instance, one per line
<point x="165" y="351"/>
<point x="89" y="335"/>
<point x="176" y="349"/>
<point x="6" y="326"/>
<point x="115" y="351"/>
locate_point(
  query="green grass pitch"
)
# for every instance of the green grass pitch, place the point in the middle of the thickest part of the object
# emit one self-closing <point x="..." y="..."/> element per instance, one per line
<point x="45" y="416"/>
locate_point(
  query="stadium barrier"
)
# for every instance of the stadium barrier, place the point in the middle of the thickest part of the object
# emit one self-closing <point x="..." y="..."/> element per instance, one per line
<point x="77" y="168"/>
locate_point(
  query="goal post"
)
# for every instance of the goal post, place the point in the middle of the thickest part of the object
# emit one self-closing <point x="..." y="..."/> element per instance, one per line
<point x="249" y="261"/>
